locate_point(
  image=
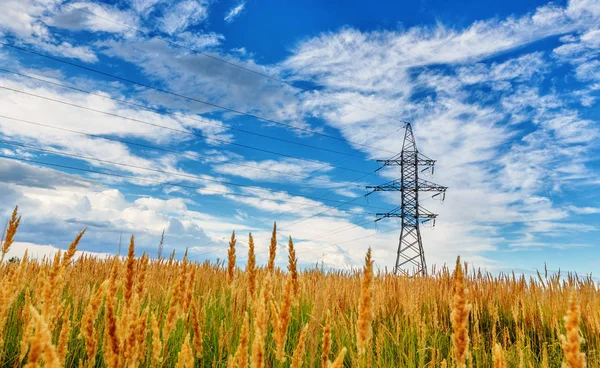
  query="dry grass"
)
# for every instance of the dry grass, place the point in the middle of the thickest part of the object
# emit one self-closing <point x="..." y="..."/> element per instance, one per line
<point x="145" y="312"/>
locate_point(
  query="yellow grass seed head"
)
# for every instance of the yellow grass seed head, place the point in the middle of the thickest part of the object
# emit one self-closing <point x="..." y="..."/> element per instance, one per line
<point x="197" y="326"/>
<point x="156" y="343"/>
<point x="11" y="230"/>
<point x="88" y="330"/>
<point x="460" y="316"/>
<point x="339" y="360"/>
<point x="364" y="329"/>
<point x="65" y="332"/>
<point x="298" y="356"/>
<point x="498" y="356"/>
<point x="41" y="344"/>
<point x="292" y="265"/>
<point x="129" y="272"/>
<point x="241" y="354"/>
<point x="68" y="256"/>
<point x="251" y="267"/>
<point x="112" y="353"/>
<point x="571" y="344"/>
<point x="282" y="316"/>
<point x="185" y="358"/>
<point x="272" y="249"/>
<point x="231" y="258"/>
<point x="326" y="347"/>
<point x="261" y="324"/>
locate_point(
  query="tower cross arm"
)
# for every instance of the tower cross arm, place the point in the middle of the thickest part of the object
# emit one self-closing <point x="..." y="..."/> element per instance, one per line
<point x="398" y="185"/>
<point x="427" y="186"/>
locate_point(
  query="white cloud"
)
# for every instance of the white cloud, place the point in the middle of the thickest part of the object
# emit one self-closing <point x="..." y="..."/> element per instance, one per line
<point x="346" y="58"/>
<point x="90" y="16"/>
<point x="285" y="170"/>
<point x="183" y="14"/>
<point x="39" y="251"/>
<point x="26" y="20"/>
<point x="54" y="204"/>
<point x="281" y="202"/>
<point x="584" y="210"/>
<point x="68" y="117"/>
<point x="582" y="53"/>
<point x="501" y="151"/>
<point x="194" y="74"/>
<point x="234" y="12"/>
<point x="214" y="189"/>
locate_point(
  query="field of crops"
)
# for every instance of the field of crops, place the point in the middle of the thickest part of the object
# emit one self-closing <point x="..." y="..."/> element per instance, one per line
<point x="145" y="312"/>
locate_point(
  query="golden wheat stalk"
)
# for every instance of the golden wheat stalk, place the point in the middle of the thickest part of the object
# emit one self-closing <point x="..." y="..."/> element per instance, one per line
<point x="70" y="253"/>
<point x="142" y="272"/>
<point x="141" y="328"/>
<point x="63" y="338"/>
<point x="185" y="358"/>
<point x="339" y="360"/>
<point x="545" y="363"/>
<point x="197" y="327"/>
<point x="251" y="267"/>
<point x="41" y="344"/>
<point x="231" y="258"/>
<point x="129" y="272"/>
<point x="571" y="344"/>
<point x="460" y="317"/>
<point x="282" y="315"/>
<point x="498" y="356"/>
<point x="298" y="356"/>
<point x="156" y="343"/>
<point x="261" y="324"/>
<point x="272" y="249"/>
<point x="112" y="343"/>
<point x="364" y="329"/>
<point x="292" y="265"/>
<point x="88" y="330"/>
<point x="28" y="327"/>
<point x="11" y="230"/>
<point x="326" y="346"/>
<point x="241" y="355"/>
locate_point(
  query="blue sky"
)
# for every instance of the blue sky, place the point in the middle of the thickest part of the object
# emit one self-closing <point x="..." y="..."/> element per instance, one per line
<point x="503" y="94"/>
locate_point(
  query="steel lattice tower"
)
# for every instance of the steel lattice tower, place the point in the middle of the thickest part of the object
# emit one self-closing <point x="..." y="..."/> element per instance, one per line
<point x="410" y="259"/>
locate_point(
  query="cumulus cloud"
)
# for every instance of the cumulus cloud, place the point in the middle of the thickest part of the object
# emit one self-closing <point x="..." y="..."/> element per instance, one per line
<point x="57" y="207"/>
<point x="27" y="20"/>
<point x="161" y="129"/>
<point x="41" y="251"/>
<point x="94" y="17"/>
<point x="183" y="14"/>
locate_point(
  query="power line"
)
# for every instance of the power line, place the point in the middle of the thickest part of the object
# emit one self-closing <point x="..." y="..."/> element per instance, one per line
<point x="296" y="222"/>
<point x="303" y="205"/>
<point x="179" y="130"/>
<point x="183" y="153"/>
<point x="186" y="97"/>
<point x="166" y="184"/>
<point x="173" y="113"/>
<point x="332" y="245"/>
<point x="352" y="240"/>
<point x="153" y="181"/>
<point x="195" y="177"/>
<point x="268" y="76"/>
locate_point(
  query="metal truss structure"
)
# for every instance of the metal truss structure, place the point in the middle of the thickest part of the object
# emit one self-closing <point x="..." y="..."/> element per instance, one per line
<point x="410" y="259"/>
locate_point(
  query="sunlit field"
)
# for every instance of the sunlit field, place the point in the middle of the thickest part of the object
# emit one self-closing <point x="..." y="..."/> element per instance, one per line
<point x="139" y="311"/>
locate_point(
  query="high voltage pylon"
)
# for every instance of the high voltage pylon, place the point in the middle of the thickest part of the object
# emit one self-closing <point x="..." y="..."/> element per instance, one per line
<point x="410" y="259"/>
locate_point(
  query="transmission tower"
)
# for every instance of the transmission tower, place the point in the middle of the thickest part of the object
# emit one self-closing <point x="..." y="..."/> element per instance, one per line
<point x="410" y="259"/>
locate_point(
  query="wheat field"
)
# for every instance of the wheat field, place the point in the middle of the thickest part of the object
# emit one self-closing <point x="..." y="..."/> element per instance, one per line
<point x="142" y="312"/>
